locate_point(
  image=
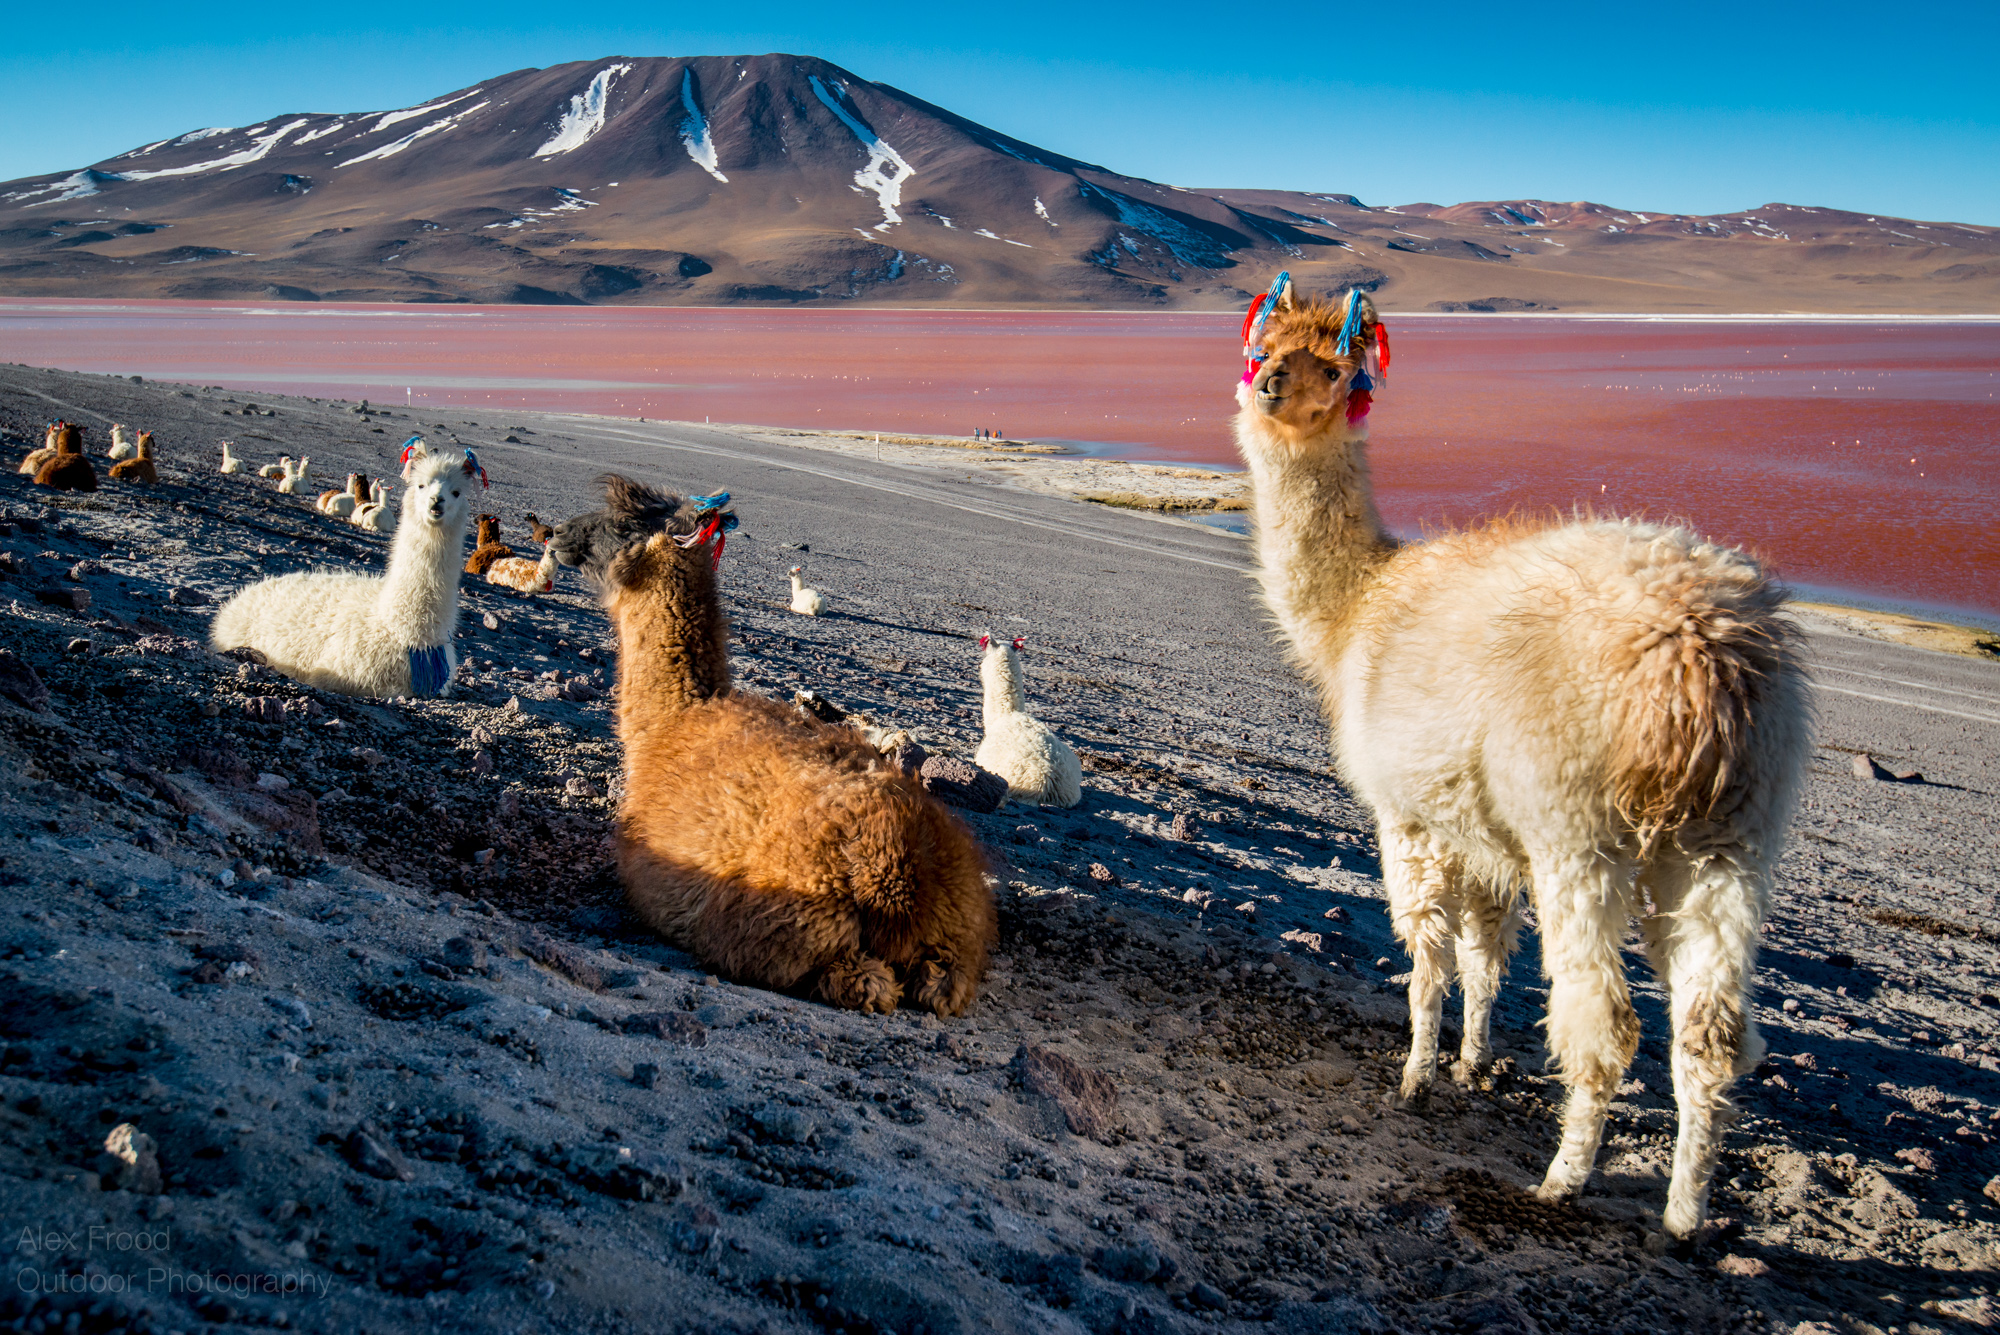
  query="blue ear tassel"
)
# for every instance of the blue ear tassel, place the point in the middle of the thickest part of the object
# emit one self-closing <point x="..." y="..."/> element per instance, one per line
<point x="1279" y="286"/>
<point x="1352" y="324"/>
<point x="409" y="445"/>
<point x="472" y="465"/>
<point x="715" y="502"/>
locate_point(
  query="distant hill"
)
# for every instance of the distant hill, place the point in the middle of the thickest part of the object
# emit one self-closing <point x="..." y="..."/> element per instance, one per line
<point x="783" y="179"/>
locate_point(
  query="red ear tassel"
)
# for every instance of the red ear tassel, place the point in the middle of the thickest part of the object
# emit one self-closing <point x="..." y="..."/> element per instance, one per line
<point x="984" y="641"/>
<point x="1382" y="346"/>
<point x="1250" y="319"/>
<point x="1020" y="643"/>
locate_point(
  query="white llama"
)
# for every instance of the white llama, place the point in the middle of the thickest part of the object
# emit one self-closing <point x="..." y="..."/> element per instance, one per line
<point x="364" y="634"/>
<point x="375" y="514"/>
<point x="123" y="446"/>
<point x="295" y="476"/>
<point x="1037" y="765"/>
<point x="1607" y="714"/>
<point x="230" y="463"/>
<point x="806" y="602"/>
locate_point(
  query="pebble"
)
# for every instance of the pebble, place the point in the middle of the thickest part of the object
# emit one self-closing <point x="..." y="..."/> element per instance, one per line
<point x="482" y="763"/>
<point x="490" y="621"/>
<point x="462" y="952"/>
<point x="186" y="597"/>
<point x="646" y="1075"/>
<point x="513" y="705"/>
<point x="1791" y="1006"/>
<point x="582" y="787"/>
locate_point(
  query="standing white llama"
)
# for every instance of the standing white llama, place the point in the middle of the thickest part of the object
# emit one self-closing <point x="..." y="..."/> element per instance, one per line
<point x="1037" y="765"/>
<point x="372" y="635"/>
<point x="1608" y="713"/>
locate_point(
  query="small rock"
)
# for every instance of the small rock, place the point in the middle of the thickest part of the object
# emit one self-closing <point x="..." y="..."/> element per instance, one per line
<point x="1918" y="1158"/>
<point x="482" y="763"/>
<point x="673" y="1026"/>
<point x="483" y="858"/>
<point x="949" y="1045"/>
<point x="20" y="683"/>
<point x="1207" y="1296"/>
<point x="1248" y="908"/>
<point x="490" y="621"/>
<point x="582" y="787"/>
<point x="1865" y="767"/>
<point x="130" y="1161"/>
<point x="1183" y="828"/>
<point x="462" y="952"/>
<point x="1128" y="1265"/>
<point x="961" y="783"/>
<point x="186" y="597"/>
<point x="1991" y="1191"/>
<point x="74" y="599"/>
<point x="513" y="705"/>
<point x="291" y="1008"/>
<point x="1100" y="872"/>
<point x="1081" y="1098"/>
<point x="368" y="1150"/>
<point x="787" y="1124"/>
<point x="1840" y="959"/>
<point x="579" y="690"/>
<point x="646" y="1075"/>
<point x="273" y="783"/>
<point x="482" y="737"/>
<point x="1336" y="914"/>
<point x="1312" y="941"/>
<point x="1790" y="1006"/>
<point x="508" y="806"/>
<point x="817" y="705"/>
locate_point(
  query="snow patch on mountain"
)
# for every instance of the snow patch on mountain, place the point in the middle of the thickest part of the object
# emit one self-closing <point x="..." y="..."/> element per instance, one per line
<point x="1188" y="246"/>
<point x="695" y="135"/>
<point x="1042" y="212"/>
<point x="585" y="116"/>
<point x="322" y="132"/>
<point x="390" y="150"/>
<point x="194" y="136"/>
<point x="411" y="113"/>
<point x="887" y="187"/>
<point x="77" y="185"/>
<point x="241" y="157"/>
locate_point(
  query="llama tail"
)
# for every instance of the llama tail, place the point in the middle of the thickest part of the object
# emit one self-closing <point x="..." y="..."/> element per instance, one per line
<point x="1702" y="696"/>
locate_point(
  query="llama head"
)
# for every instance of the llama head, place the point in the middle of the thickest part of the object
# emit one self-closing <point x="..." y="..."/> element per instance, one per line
<point x="145" y="444"/>
<point x="1314" y="372"/>
<point x="438" y="488"/>
<point x="1000" y="667"/>
<point x="489" y="529"/>
<point x="633" y="512"/>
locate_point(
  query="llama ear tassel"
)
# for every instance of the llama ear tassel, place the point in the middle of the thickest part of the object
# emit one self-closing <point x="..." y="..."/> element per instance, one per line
<point x="413" y="449"/>
<point x="984" y="642"/>
<point x="474" y="468"/>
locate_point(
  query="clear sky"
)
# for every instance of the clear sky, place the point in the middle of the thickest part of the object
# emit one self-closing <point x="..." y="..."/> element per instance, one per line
<point x="1696" y="108"/>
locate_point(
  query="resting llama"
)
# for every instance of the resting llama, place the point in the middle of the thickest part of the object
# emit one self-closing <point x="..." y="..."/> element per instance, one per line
<point x="122" y="444"/>
<point x="1606" y="713"/>
<point x="51" y="445"/>
<point x="375" y="514"/>
<point x="779" y="850"/>
<point x="1037" y="765"/>
<point x="806" y="602"/>
<point x="371" y="635"/>
<point x="68" y="469"/>
<point x="230" y="463"/>
<point x="295" y="476"/>
<point x="140" y="467"/>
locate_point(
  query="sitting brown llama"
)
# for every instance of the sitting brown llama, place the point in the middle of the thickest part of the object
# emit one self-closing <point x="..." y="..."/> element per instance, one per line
<point x="779" y="850"/>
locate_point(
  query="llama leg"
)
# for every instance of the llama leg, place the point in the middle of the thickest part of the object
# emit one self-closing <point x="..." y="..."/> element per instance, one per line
<point x="1421" y="892"/>
<point x="1584" y="900"/>
<point x="1703" y="942"/>
<point x="1488" y="929"/>
<point x="859" y="983"/>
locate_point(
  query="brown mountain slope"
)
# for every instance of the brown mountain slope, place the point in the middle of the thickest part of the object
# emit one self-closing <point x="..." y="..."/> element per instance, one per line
<point x="784" y="179"/>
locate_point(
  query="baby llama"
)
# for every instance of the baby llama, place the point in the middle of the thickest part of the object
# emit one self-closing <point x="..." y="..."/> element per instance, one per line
<point x="1037" y="765"/>
<point x="295" y="476"/>
<point x="122" y="444"/>
<point x="51" y="437"/>
<point x="140" y="467"/>
<point x="806" y="602"/>
<point x="1604" y="715"/>
<point x="67" y="469"/>
<point x="777" y="849"/>
<point x="375" y="514"/>
<point x="278" y="470"/>
<point x="539" y="531"/>
<point x="487" y="548"/>
<point x="230" y="463"/>
<point x="522" y="575"/>
<point x="371" y="635"/>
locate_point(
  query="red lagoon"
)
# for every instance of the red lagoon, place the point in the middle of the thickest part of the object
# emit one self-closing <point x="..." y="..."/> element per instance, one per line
<point x="1860" y="454"/>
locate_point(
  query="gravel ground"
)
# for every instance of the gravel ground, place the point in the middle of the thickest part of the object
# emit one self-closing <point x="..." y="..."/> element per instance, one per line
<point x="357" y="978"/>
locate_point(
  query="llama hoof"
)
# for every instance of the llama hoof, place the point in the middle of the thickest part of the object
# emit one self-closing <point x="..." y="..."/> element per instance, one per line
<point x="1554" y="1192"/>
<point x="1472" y="1074"/>
<point x="942" y="988"/>
<point x="1409" y="1100"/>
<point x="861" y="985"/>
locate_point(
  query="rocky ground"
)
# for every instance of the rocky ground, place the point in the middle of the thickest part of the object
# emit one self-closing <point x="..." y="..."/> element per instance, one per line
<point x="323" y="1014"/>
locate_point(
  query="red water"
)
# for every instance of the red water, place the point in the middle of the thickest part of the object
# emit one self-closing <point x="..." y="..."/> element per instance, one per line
<point x="1853" y="454"/>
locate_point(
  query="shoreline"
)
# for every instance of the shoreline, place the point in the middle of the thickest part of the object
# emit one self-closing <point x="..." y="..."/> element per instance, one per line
<point x="1174" y="493"/>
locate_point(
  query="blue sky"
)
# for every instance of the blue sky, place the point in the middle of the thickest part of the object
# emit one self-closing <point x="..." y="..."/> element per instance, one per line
<point x="1665" y="106"/>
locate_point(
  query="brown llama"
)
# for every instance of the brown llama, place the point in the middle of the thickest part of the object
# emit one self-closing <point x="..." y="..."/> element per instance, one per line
<point x="487" y="547"/>
<point x="1606" y="714"/>
<point x="777" y="849"/>
<point x="140" y="467"/>
<point x="68" y="469"/>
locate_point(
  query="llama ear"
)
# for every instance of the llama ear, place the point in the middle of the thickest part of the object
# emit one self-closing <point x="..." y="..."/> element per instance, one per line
<point x="413" y="450"/>
<point x="1283" y="294"/>
<point x="1020" y="643"/>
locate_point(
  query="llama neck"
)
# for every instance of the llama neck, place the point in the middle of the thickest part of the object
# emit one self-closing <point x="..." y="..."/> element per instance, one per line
<point x="419" y="597"/>
<point x="1001" y="677"/>
<point x="672" y="641"/>
<point x="1319" y="537"/>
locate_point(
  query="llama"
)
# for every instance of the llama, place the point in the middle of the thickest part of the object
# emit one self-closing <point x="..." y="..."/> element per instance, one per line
<point x="806" y="602"/>
<point x="140" y="467"/>
<point x="122" y="444"/>
<point x="375" y="514"/>
<point x="51" y="446"/>
<point x="230" y="463"/>
<point x="68" y="469"/>
<point x="522" y="575"/>
<point x="279" y="470"/>
<point x="295" y="476"/>
<point x="1037" y="765"/>
<point x="778" y="849"/>
<point x="340" y="504"/>
<point x="371" y="635"/>
<point x="1607" y="714"/>
<point x="537" y="530"/>
<point x="487" y="548"/>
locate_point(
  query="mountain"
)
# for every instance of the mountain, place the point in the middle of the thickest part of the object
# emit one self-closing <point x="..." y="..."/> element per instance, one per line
<point x="784" y="179"/>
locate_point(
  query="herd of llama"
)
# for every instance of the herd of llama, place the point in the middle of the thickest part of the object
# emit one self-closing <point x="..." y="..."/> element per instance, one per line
<point x="1603" y="719"/>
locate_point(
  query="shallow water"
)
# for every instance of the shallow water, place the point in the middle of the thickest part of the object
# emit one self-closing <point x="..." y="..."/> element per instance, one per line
<point x="1855" y="454"/>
